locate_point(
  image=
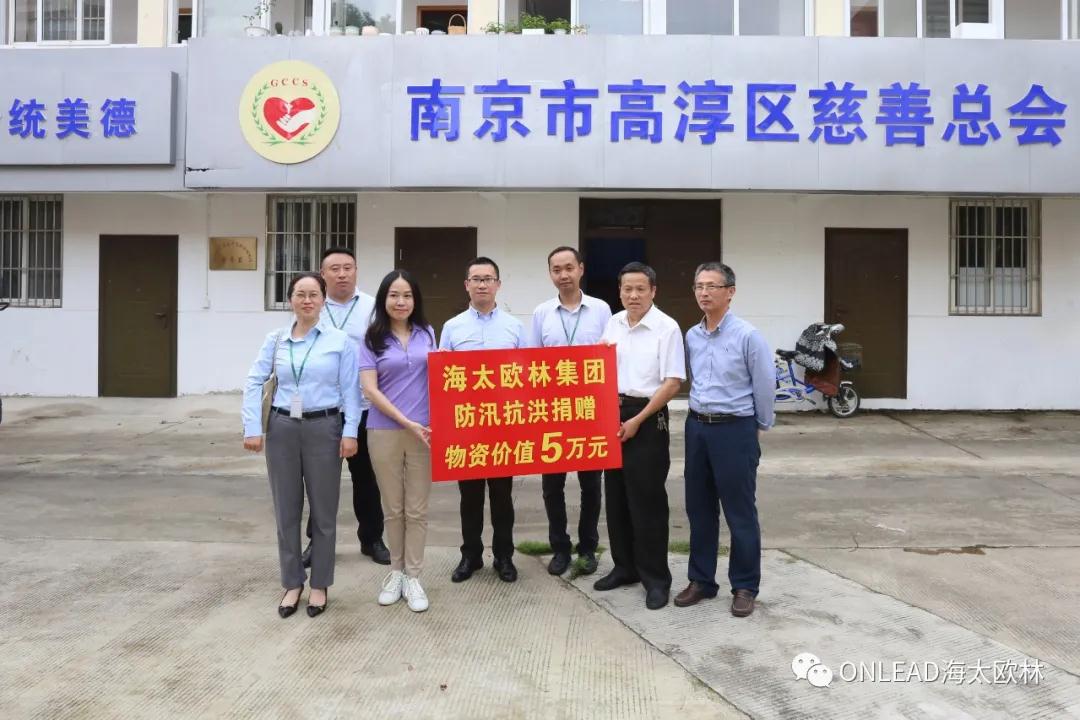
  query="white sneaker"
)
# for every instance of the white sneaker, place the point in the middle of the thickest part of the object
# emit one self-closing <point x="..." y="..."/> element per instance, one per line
<point x="391" y="587"/>
<point x="415" y="594"/>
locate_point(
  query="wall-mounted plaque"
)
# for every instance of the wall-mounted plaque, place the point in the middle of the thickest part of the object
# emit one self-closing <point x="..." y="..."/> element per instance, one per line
<point x="233" y="253"/>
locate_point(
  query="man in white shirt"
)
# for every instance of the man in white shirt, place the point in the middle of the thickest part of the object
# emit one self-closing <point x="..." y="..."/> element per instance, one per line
<point x="652" y="364"/>
<point x="350" y="310"/>
<point x="571" y="318"/>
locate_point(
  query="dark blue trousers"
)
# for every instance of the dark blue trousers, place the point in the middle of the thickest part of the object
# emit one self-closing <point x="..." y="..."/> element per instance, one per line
<point x="721" y="472"/>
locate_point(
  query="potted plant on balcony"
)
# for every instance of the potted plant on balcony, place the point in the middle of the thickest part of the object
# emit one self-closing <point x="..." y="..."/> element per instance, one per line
<point x="494" y="28"/>
<point x="579" y="29"/>
<point x="533" y="24"/>
<point x="255" y="19"/>
<point x="559" y="26"/>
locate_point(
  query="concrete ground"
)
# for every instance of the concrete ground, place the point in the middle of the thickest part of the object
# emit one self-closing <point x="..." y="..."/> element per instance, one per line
<point x="137" y="546"/>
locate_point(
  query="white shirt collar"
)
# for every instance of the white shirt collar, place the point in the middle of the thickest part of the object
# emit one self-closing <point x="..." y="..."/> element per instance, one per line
<point x="648" y="320"/>
<point x="355" y="296"/>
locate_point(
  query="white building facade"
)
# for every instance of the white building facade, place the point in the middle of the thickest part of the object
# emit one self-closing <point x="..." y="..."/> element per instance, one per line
<point x="918" y="186"/>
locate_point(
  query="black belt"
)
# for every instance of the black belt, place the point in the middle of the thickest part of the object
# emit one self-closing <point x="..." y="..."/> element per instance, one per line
<point x="328" y="412"/>
<point x="714" y="418"/>
<point x="631" y="401"/>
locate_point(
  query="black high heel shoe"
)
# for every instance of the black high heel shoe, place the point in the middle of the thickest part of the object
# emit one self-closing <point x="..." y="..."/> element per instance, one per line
<point x="286" y="610"/>
<point x="313" y="610"/>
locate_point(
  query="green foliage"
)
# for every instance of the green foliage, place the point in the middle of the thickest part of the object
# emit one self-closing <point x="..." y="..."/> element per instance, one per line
<point x="682" y="547"/>
<point x="262" y="7"/>
<point x="533" y="22"/>
<point x="532" y="547"/>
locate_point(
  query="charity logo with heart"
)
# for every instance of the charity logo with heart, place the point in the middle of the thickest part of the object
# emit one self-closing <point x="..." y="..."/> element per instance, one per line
<point x="289" y="118"/>
<point x="289" y="112"/>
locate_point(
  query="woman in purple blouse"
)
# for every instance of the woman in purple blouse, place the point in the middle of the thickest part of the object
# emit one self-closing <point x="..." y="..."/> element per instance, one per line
<point x="393" y="375"/>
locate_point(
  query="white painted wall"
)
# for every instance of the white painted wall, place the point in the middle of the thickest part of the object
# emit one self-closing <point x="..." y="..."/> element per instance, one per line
<point x="774" y="242"/>
<point x="776" y="246"/>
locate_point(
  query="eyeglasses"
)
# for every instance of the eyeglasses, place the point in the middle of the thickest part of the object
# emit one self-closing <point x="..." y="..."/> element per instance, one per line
<point x="709" y="287"/>
<point x="307" y="296"/>
<point x="485" y="280"/>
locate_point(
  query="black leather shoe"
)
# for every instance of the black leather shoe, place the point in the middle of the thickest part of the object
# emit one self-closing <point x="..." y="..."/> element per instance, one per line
<point x="588" y="567"/>
<point x="305" y="557"/>
<point x="286" y="610"/>
<point x="313" y="610"/>
<point x="614" y="579"/>
<point x="505" y="568"/>
<point x="377" y="551"/>
<point x="656" y="598"/>
<point x="559" y="563"/>
<point x="466" y="568"/>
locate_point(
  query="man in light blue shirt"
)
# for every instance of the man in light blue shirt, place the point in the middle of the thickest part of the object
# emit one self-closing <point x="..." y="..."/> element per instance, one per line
<point x="349" y="310"/>
<point x="731" y="402"/>
<point x="570" y="318"/>
<point x="483" y="326"/>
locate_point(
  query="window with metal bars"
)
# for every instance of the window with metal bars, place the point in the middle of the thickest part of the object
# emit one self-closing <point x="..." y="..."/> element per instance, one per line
<point x="31" y="250"/>
<point x="65" y="20"/>
<point x="994" y="257"/>
<point x="298" y="229"/>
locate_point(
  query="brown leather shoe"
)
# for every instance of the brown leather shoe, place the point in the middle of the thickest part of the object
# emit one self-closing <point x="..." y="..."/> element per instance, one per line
<point x="691" y="595"/>
<point x="743" y="603"/>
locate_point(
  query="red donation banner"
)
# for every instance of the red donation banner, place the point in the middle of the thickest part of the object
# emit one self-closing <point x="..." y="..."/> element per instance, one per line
<point x="496" y="413"/>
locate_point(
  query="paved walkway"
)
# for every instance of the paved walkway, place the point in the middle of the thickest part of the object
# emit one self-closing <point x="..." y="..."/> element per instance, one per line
<point x="850" y="629"/>
<point x="127" y="629"/>
<point x="136" y="541"/>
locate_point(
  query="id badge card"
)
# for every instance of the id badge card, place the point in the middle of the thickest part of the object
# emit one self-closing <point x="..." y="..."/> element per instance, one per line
<point x="296" y="409"/>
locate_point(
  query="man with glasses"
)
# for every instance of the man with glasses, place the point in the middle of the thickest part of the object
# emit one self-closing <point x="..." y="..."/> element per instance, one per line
<point x="732" y="384"/>
<point x="483" y="326"/>
<point x="349" y="310"/>
<point x="571" y="318"/>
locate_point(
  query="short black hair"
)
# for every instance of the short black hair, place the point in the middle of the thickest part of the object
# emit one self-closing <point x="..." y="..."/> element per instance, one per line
<point x="638" y="267"/>
<point x="719" y="267"/>
<point x="565" y="248"/>
<point x="336" y="251"/>
<point x="482" y="261"/>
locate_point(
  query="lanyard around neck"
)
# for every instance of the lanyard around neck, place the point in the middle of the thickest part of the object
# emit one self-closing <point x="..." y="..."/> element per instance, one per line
<point x="571" y="335"/>
<point x="347" y="315"/>
<point x="292" y="361"/>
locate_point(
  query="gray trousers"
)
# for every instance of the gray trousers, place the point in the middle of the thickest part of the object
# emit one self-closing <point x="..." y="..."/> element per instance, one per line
<point x="305" y="454"/>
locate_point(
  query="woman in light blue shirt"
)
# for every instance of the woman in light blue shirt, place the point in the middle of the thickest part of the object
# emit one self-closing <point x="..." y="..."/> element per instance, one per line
<point x="317" y="373"/>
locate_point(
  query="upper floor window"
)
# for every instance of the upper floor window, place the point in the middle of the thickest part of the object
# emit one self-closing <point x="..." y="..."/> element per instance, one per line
<point x="772" y="17"/>
<point x="612" y="17"/>
<point x="74" y="21"/>
<point x="897" y="18"/>
<point x="737" y="17"/>
<point x="986" y="19"/>
<point x="550" y="10"/>
<point x="701" y="17"/>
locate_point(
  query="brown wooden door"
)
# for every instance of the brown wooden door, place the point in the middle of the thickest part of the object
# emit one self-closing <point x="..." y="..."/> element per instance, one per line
<point x="866" y="289"/>
<point x="436" y="258"/>
<point x="672" y="236"/>
<point x="137" y="316"/>
<point x="681" y="234"/>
